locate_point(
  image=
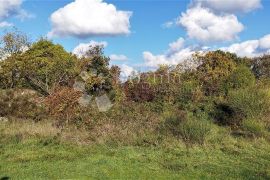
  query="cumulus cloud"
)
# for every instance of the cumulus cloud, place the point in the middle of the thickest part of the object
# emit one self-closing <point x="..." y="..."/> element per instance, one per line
<point x="265" y="42"/>
<point x="167" y="59"/>
<point x="9" y="7"/>
<point x="82" y="48"/>
<point x="177" y="45"/>
<point x="176" y="54"/>
<point x="181" y="54"/>
<point x="85" y="18"/>
<point x="250" y="48"/>
<point x="127" y="71"/>
<point x="120" y="57"/>
<point x="230" y="6"/>
<point x="247" y="48"/>
<point x="205" y="26"/>
<point x="5" y="24"/>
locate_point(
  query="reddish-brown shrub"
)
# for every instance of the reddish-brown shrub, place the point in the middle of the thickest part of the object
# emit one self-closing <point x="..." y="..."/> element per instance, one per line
<point x="62" y="104"/>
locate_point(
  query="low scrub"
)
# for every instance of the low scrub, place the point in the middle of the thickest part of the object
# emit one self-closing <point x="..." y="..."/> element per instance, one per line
<point x="62" y="104"/>
<point x="188" y="128"/>
<point x="253" y="102"/>
<point x="21" y="104"/>
<point x="242" y="104"/>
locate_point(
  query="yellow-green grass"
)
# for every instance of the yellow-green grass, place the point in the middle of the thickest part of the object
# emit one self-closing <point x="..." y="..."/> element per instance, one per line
<point x="47" y="157"/>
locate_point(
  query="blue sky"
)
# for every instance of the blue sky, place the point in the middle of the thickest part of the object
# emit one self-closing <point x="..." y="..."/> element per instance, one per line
<point x="147" y="42"/>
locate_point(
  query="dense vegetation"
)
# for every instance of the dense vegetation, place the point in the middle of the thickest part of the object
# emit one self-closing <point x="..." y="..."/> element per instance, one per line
<point x="215" y="102"/>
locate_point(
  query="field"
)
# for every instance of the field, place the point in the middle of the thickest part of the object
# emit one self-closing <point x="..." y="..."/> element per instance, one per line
<point x="64" y="116"/>
<point x="39" y="154"/>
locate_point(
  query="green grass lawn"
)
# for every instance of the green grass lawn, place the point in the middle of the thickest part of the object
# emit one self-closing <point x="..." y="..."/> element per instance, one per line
<point x="39" y="158"/>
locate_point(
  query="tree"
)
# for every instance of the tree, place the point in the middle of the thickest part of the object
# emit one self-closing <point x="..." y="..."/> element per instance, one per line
<point x="115" y="73"/>
<point x="242" y="77"/>
<point x="12" y="43"/>
<point x="42" y="67"/>
<point x="96" y="65"/>
<point x="48" y="65"/>
<point x="214" y="68"/>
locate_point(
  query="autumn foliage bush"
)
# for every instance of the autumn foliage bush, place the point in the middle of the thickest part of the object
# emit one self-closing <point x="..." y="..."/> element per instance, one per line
<point x="62" y="104"/>
<point x="22" y="104"/>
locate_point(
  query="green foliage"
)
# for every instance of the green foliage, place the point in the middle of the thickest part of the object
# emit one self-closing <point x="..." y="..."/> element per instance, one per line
<point x="181" y="101"/>
<point x="253" y="102"/>
<point x="189" y="95"/>
<point x="242" y="77"/>
<point x="96" y="65"/>
<point x="13" y="43"/>
<point x="226" y="115"/>
<point x="187" y="127"/>
<point x="214" y="68"/>
<point x="242" y="104"/>
<point x="41" y="68"/>
<point x="47" y="64"/>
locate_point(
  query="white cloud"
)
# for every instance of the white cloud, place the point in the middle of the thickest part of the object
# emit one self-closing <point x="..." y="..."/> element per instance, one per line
<point x="127" y="71"/>
<point x="9" y="7"/>
<point x="205" y="26"/>
<point x="120" y="57"/>
<point x="167" y="59"/>
<point x="176" y="54"/>
<point x="177" y="45"/>
<point x="154" y="60"/>
<point x="265" y="42"/>
<point x="84" y="18"/>
<point x="82" y="48"/>
<point x="5" y="24"/>
<point x="230" y="6"/>
<point x="250" y="48"/>
<point x="247" y="48"/>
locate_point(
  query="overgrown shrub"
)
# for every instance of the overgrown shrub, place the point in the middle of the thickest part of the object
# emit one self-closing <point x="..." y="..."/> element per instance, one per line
<point x="63" y="104"/>
<point x="241" y="78"/>
<point x="214" y="68"/>
<point x="188" y="128"/>
<point x="252" y="102"/>
<point x="190" y="94"/>
<point x="139" y="91"/>
<point x="228" y="116"/>
<point x="242" y="104"/>
<point x="22" y="104"/>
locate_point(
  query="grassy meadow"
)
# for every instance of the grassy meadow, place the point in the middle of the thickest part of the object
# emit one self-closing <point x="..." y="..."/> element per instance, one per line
<point x="41" y="153"/>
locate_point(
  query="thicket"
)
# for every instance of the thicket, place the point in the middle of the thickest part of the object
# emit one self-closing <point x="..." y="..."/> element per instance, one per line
<point x="42" y="81"/>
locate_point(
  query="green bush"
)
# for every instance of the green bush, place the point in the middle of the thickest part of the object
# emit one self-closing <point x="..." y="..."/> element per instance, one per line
<point x="242" y="77"/>
<point x="252" y="102"/>
<point x="241" y="104"/>
<point x="188" y="128"/>
<point x="189" y="95"/>
<point x="228" y="116"/>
